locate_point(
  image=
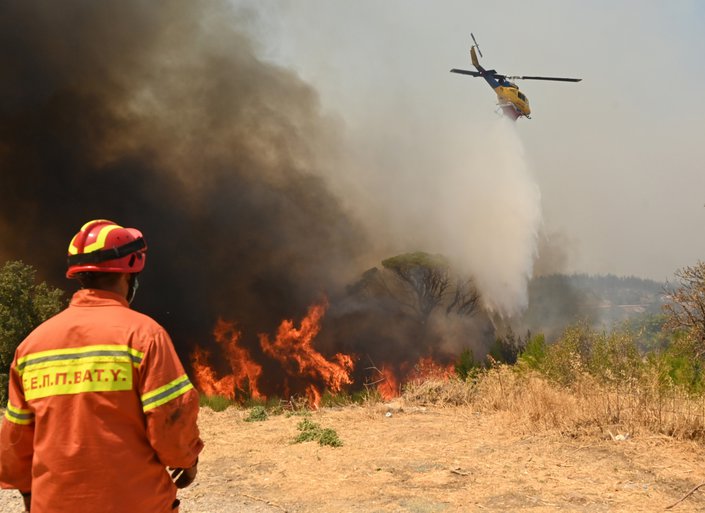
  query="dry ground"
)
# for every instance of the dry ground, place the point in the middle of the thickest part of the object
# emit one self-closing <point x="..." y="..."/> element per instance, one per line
<point x="427" y="460"/>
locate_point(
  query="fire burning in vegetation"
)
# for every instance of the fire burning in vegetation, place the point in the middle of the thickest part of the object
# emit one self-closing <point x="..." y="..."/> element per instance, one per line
<point x="301" y="368"/>
<point x="388" y="385"/>
<point x="294" y="366"/>
<point x="242" y="382"/>
<point x="293" y="349"/>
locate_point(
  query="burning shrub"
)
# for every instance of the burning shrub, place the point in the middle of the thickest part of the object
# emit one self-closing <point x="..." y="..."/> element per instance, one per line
<point x="299" y="368"/>
<point x="407" y="316"/>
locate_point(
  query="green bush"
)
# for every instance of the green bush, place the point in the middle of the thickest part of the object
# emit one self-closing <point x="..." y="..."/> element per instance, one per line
<point x="467" y="367"/>
<point x="215" y="402"/>
<point x="507" y="348"/>
<point x="566" y="358"/>
<point x="257" y="414"/>
<point x="24" y="305"/>
<point x="298" y="413"/>
<point x="609" y="357"/>
<point x="272" y="405"/>
<point x="329" y="400"/>
<point x="680" y="365"/>
<point x="615" y="358"/>
<point x="534" y="353"/>
<point x="311" y="431"/>
<point x="343" y="398"/>
<point x="329" y="437"/>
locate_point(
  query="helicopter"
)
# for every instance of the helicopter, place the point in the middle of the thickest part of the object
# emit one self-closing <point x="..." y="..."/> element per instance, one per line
<point x="510" y="99"/>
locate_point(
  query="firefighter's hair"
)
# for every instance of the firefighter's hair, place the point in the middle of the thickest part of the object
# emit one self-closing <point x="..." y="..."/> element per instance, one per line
<point x="98" y="280"/>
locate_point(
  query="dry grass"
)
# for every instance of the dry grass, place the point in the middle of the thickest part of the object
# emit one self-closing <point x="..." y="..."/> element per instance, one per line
<point x="587" y="406"/>
<point x="439" y="392"/>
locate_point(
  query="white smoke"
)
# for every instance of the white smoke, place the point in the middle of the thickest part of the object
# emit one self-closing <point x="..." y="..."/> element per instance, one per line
<point x="476" y="203"/>
<point x="491" y="215"/>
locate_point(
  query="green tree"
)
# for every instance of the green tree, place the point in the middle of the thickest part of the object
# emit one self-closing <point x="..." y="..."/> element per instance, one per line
<point x="424" y="282"/>
<point x="466" y="366"/>
<point x="534" y="353"/>
<point x="412" y="303"/>
<point x="24" y="305"/>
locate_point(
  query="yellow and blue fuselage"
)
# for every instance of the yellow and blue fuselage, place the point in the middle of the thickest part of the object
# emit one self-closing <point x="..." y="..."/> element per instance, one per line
<point x="513" y="102"/>
<point x="509" y="97"/>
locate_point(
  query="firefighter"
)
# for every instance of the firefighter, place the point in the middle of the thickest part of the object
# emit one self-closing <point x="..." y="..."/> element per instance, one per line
<point x="100" y="408"/>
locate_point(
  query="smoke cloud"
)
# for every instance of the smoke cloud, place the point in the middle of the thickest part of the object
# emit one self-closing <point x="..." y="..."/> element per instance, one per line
<point x="253" y="203"/>
<point x="160" y="116"/>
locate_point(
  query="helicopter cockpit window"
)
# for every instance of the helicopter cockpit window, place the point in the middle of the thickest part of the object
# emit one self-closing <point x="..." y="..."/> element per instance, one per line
<point x="522" y="97"/>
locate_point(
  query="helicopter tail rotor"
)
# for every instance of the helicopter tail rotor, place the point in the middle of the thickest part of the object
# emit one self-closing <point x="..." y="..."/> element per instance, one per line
<point x="476" y="45"/>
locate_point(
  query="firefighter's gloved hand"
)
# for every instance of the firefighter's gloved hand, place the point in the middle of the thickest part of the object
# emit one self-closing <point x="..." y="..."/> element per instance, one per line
<point x="184" y="476"/>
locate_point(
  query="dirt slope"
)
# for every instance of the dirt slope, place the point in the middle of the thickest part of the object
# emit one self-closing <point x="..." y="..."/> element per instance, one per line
<point x="430" y="460"/>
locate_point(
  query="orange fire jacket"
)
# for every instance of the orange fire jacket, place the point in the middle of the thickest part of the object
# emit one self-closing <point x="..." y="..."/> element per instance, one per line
<point x="99" y="405"/>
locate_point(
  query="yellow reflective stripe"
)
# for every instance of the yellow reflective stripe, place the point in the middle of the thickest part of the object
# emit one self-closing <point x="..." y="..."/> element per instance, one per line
<point x="16" y="420"/>
<point x="96" y="374"/>
<point x="72" y="246"/>
<point x="166" y="393"/>
<point x="18" y="415"/>
<point x="106" y="352"/>
<point x="85" y="226"/>
<point x="100" y="239"/>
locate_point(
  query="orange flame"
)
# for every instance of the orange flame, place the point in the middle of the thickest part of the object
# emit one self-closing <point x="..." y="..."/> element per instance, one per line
<point x="305" y="369"/>
<point x="205" y="378"/>
<point x="293" y="349"/>
<point x="426" y="368"/>
<point x="388" y="387"/>
<point x="388" y="383"/>
<point x="245" y="372"/>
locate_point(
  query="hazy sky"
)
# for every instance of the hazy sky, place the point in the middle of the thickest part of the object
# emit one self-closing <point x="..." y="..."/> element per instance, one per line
<point x="617" y="157"/>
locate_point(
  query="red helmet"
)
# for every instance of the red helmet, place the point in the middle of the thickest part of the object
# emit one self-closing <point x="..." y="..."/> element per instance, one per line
<point x="105" y="247"/>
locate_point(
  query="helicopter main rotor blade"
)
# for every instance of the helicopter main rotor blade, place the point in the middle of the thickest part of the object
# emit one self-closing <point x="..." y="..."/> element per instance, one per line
<point x="466" y="72"/>
<point x="555" y="79"/>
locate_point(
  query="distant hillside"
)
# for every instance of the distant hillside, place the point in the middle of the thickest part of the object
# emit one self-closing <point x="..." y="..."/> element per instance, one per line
<point x="558" y="300"/>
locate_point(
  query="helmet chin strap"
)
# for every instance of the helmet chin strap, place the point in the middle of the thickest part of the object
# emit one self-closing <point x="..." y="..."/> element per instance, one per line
<point x="132" y="290"/>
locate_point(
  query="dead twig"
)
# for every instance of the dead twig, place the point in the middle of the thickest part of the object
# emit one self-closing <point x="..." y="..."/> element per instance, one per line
<point x="268" y="502"/>
<point x="374" y="382"/>
<point x="685" y="496"/>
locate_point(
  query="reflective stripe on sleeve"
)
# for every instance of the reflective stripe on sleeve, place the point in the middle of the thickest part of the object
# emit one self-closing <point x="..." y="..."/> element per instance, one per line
<point x="18" y="415"/>
<point x="166" y="393"/>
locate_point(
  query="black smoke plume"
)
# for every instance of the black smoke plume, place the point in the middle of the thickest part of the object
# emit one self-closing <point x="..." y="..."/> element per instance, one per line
<point x="159" y="115"/>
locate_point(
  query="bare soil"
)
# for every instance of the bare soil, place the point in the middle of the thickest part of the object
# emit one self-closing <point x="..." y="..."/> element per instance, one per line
<point x="427" y="460"/>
